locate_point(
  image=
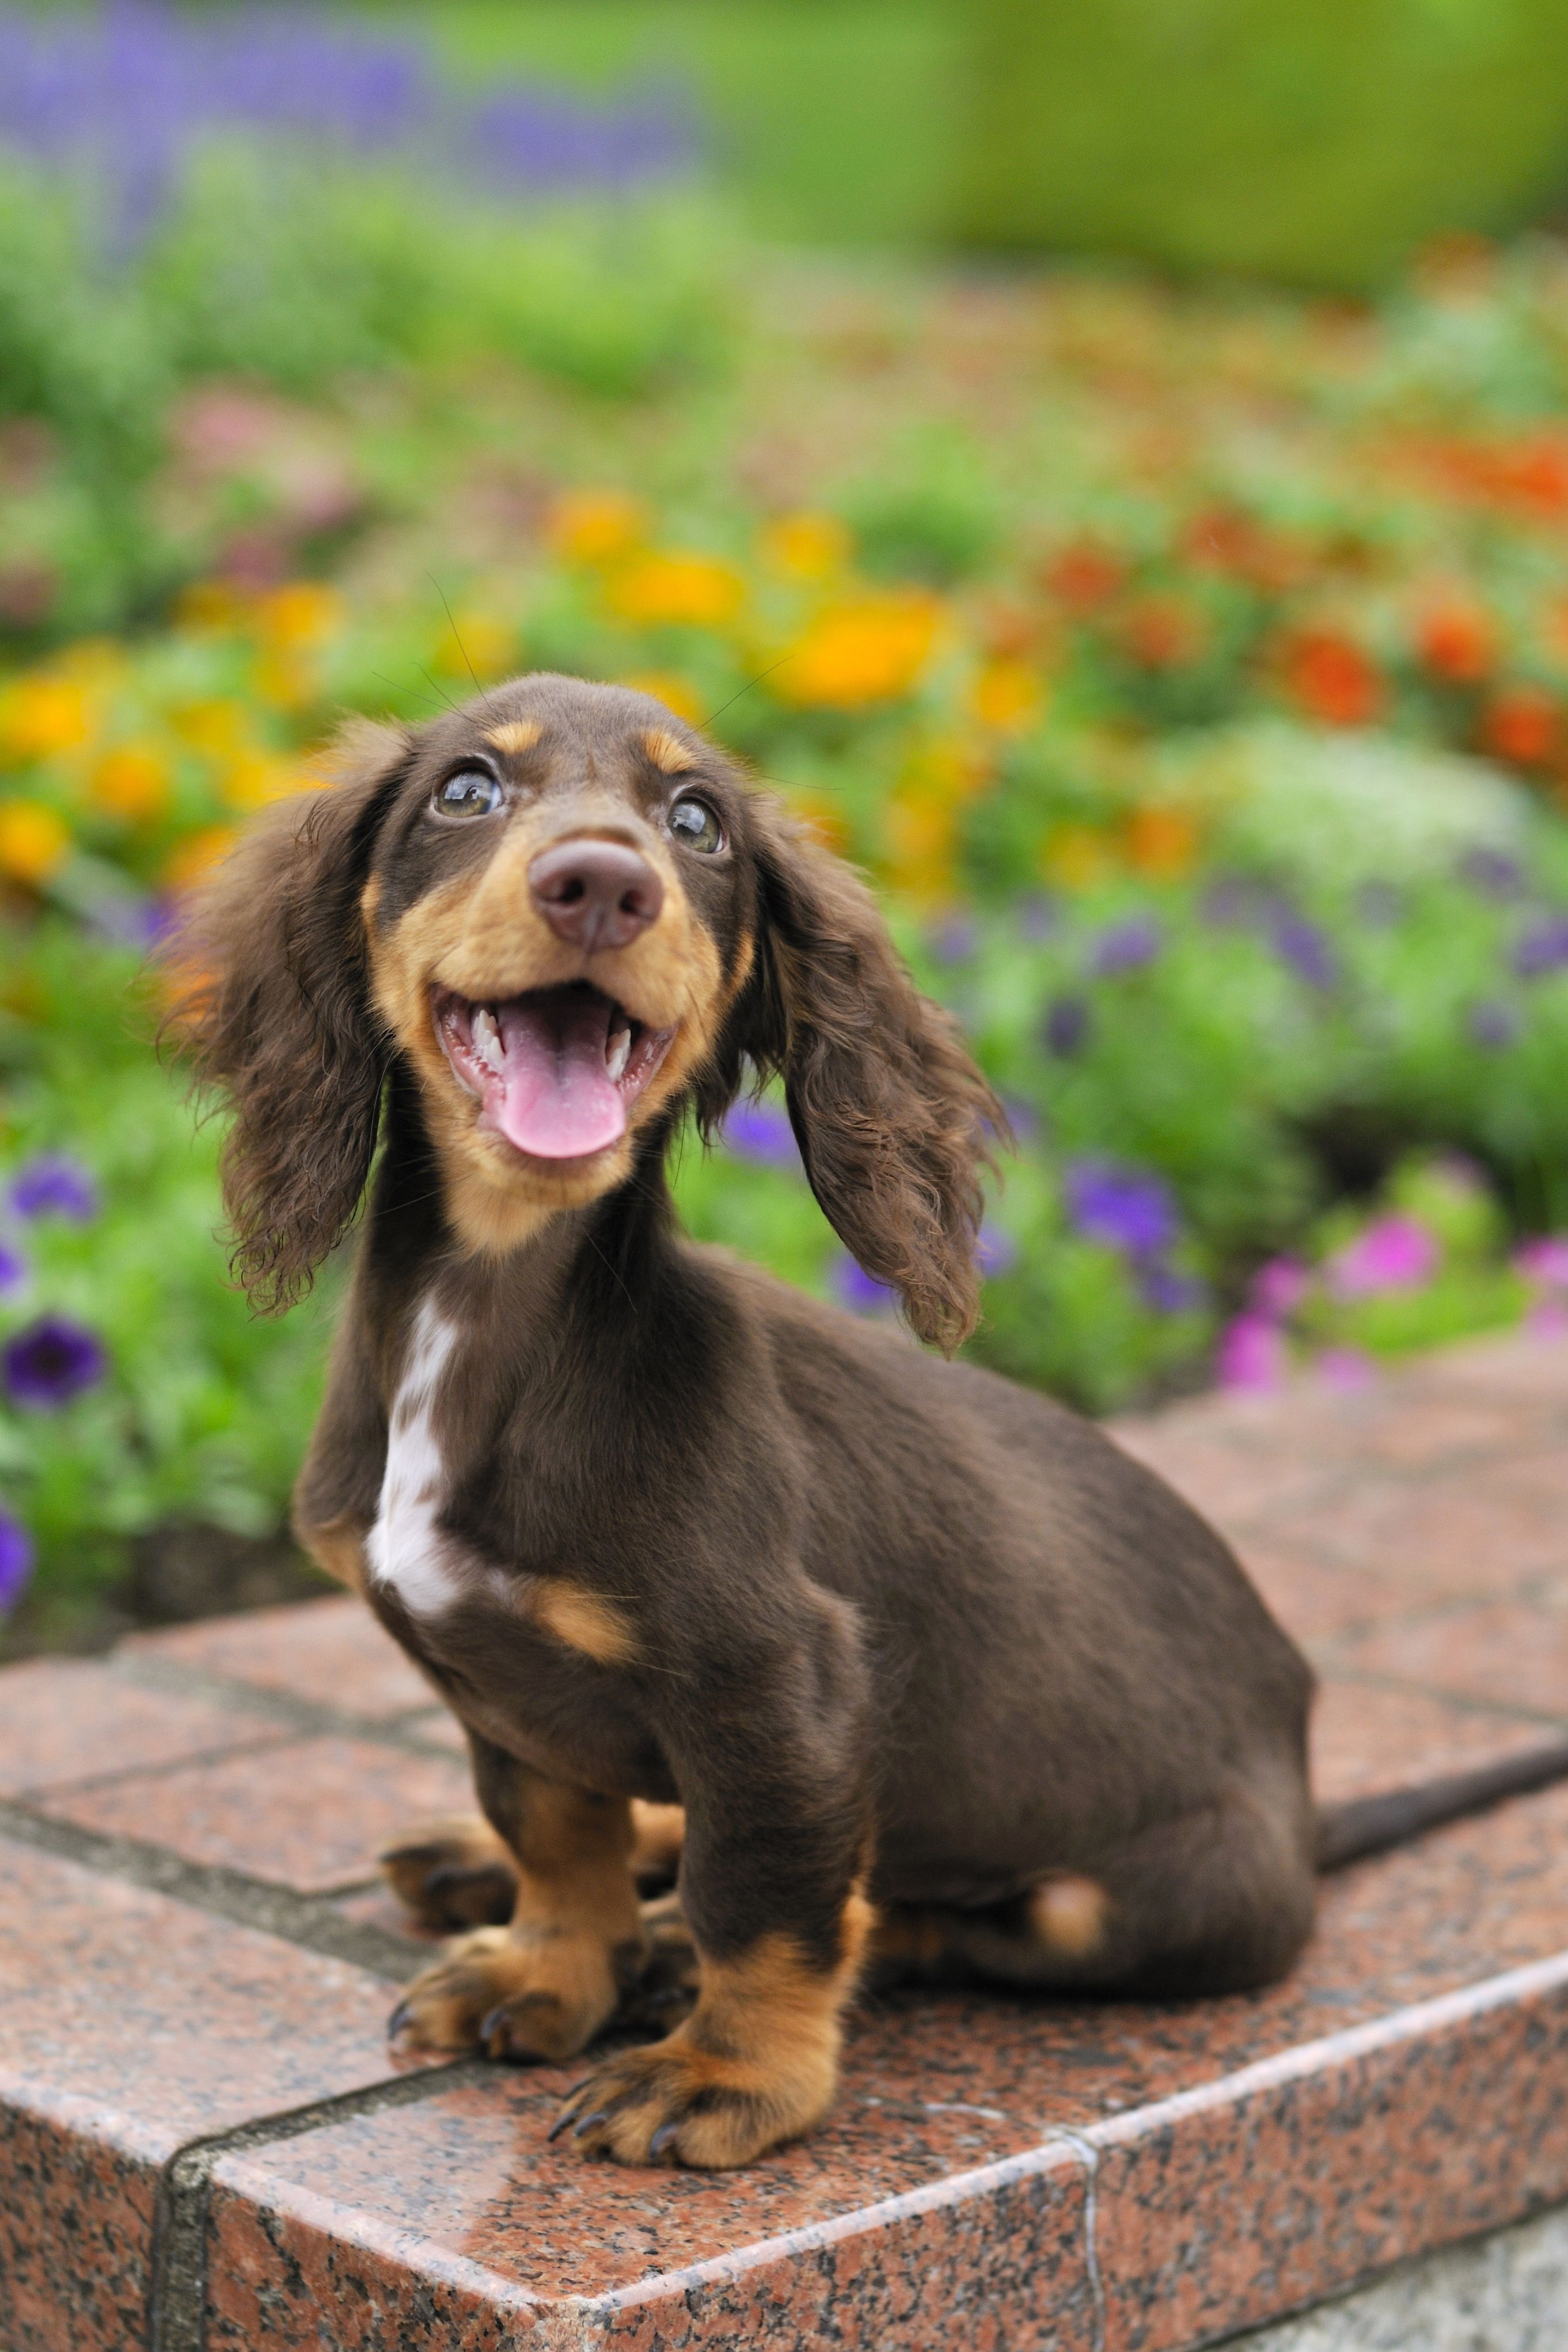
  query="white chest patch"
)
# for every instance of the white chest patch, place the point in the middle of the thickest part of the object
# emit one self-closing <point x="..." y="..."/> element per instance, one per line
<point x="405" y="1548"/>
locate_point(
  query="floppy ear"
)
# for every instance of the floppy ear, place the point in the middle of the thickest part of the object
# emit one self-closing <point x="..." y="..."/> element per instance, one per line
<point x="273" y="1004"/>
<point x="890" y="1112"/>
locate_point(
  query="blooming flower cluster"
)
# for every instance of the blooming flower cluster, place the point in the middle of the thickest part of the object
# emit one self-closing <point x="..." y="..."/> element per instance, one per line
<point x="47" y="1359"/>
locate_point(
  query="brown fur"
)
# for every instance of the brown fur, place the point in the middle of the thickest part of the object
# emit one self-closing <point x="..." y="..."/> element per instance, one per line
<point x="694" y="1539"/>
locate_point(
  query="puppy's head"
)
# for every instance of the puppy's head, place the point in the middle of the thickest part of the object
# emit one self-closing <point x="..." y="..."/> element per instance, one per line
<point x="567" y="915"/>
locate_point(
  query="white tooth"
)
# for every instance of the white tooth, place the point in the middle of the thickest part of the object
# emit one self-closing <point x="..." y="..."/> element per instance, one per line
<point x="488" y="1038"/>
<point x="617" y="1053"/>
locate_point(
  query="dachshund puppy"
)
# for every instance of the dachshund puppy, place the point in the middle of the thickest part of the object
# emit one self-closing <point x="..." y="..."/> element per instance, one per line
<point x="944" y="1682"/>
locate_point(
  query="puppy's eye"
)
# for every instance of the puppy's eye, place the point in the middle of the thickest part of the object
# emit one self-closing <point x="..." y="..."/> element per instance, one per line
<point x="694" y="826"/>
<point x="470" y="793"/>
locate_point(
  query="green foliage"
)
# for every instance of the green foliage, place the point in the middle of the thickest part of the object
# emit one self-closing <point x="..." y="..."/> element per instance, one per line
<point x="1313" y="141"/>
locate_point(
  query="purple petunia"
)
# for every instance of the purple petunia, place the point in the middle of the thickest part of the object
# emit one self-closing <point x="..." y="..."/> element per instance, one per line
<point x="1127" y="1209"/>
<point x="995" y="1252"/>
<point x="53" y="1186"/>
<point x="1066" y="1026"/>
<point x="1167" y="1291"/>
<point x="1395" y="1254"/>
<point x="16" y="1561"/>
<point x="12" y="1267"/>
<point x="1126" y="945"/>
<point x="860" y="1291"/>
<point x="1542" y="949"/>
<point x="761" y="1132"/>
<point x="50" y="1362"/>
<point x="1278" y="1287"/>
<point x="1492" y="1026"/>
<point x="1305" y="948"/>
<point x="1251" y="1354"/>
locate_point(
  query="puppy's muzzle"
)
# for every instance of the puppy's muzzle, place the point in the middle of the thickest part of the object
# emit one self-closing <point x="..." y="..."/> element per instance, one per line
<point x="595" y="894"/>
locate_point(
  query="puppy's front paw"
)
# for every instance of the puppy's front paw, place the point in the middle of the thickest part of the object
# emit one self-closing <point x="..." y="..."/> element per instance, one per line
<point x="674" y="2102"/>
<point x="544" y="1995"/>
<point x="453" y="1874"/>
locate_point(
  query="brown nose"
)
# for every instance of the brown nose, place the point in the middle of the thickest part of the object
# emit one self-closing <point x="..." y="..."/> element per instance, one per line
<point x="595" y="894"/>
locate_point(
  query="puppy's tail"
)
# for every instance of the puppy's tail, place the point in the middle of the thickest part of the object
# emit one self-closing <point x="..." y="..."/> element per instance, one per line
<point x="1368" y="1825"/>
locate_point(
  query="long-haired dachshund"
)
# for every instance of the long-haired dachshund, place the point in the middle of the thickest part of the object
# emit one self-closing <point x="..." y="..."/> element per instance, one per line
<point x="944" y="1682"/>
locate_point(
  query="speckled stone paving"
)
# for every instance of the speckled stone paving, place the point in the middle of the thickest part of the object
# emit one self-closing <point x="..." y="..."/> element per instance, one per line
<point x="205" y="2143"/>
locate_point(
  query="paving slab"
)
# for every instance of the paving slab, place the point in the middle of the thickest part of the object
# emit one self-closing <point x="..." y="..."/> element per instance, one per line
<point x="204" y="2141"/>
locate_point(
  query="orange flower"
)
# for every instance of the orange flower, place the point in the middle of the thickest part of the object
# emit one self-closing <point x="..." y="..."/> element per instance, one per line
<point x="40" y="716"/>
<point x="692" y="591"/>
<point x="1083" y="575"/>
<point x="301" y="613"/>
<point x="1160" y="841"/>
<point x="1007" y="695"/>
<point x="1522" y="725"/>
<point x="807" y="546"/>
<point x="871" y="650"/>
<point x="595" y="527"/>
<point x="1162" y="632"/>
<point x="1455" y="643"/>
<point x="1332" y="679"/>
<point x="132" y="783"/>
<point x="34" y="841"/>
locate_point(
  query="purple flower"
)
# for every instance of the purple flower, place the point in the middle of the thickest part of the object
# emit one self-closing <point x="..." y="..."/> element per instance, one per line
<point x="1126" y="945"/>
<point x="53" y="1186"/>
<point x="1167" y="1291"/>
<point x="16" y="1561"/>
<point x="1492" y="1025"/>
<point x="860" y="1291"/>
<point x="1251" y="1354"/>
<point x="1544" y="1260"/>
<point x="955" y="940"/>
<point x="1128" y="1209"/>
<point x="12" y="1267"/>
<point x="1040" y="918"/>
<point x="1278" y="1288"/>
<point x="995" y="1252"/>
<point x="1305" y="948"/>
<point x="1492" y="872"/>
<point x="1542" y="949"/>
<point x="1066" y="1027"/>
<point x="761" y="1132"/>
<point x="51" y="1361"/>
<point x="1395" y="1254"/>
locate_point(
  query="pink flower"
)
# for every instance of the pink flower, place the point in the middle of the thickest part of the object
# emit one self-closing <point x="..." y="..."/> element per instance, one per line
<point x="1279" y="1289"/>
<point x="1346" y="1368"/>
<point x="1544" y="1261"/>
<point x="1547" y="1319"/>
<point x="1395" y="1254"/>
<point x="1251" y="1354"/>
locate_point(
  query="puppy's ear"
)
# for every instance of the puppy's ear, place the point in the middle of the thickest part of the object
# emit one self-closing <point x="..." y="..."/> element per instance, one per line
<point x="890" y="1112"/>
<point x="273" y="1004"/>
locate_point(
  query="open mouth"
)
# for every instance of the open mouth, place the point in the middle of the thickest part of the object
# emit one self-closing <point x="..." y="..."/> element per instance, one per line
<point x="556" y="1070"/>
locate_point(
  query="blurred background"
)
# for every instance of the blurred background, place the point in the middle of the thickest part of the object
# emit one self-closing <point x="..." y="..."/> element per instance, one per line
<point x="1107" y="462"/>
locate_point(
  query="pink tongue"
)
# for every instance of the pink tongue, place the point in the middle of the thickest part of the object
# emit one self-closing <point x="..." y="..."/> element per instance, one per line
<point x="558" y="1100"/>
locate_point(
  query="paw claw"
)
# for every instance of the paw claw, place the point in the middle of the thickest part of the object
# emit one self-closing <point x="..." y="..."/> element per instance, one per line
<point x="586" y="2123"/>
<point x="663" y="2136"/>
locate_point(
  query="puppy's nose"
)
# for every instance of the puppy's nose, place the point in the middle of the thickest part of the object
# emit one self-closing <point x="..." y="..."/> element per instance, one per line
<point x="595" y="894"/>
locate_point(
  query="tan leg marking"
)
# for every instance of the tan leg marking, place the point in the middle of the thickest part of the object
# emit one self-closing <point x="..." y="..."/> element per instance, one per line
<point x="544" y="1985"/>
<point x="754" y="2064"/>
<point x="584" y="1622"/>
<point x="339" y="1549"/>
<point x="1069" y="1915"/>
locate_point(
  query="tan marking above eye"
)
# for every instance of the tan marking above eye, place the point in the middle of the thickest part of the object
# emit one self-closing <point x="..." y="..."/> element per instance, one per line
<point x="516" y="735"/>
<point x="667" y="752"/>
<point x="584" y="1622"/>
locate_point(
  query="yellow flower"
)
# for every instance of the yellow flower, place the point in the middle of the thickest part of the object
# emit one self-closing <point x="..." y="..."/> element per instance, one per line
<point x="476" y="643"/>
<point x="198" y="854"/>
<point x="132" y="782"/>
<point x="1007" y="695"/>
<point x="595" y="527"/>
<point x="807" y="546"/>
<point x="677" y="694"/>
<point x="872" y="649"/>
<point x="694" y="591"/>
<point x="33" y="841"/>
<point x="254" y="778"/>
<point x="301" y="613"/>
<point x="44" y="715"/>
<point x="218" y="726"/>
<point x="1076" y="857"/>
<point x="1161" y="841"/>
<point x="285" y="677"/>
<point x="920" y="831"/>
<point x="209" y="605"/>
